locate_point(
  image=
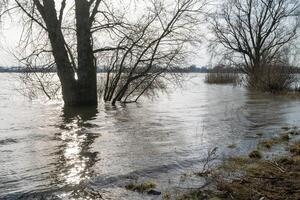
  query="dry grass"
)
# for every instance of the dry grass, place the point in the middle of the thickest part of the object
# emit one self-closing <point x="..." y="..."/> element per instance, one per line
<point x="284" y="137"/>
<point x="262" y="179"/>
<point x="222" y="78"/>
<point x="268" y="143"/>
<point x="295" y="148"/>
<point x="195" y="195"/>
<point x="166" y="196"/>
<point x="140" y="187"/>
<point x="231" y="146"/>
<point x="260" y="134"/>
<point x="272" y="78"/>
<point x="255" y="154"/>
<point x="249" y="178"/>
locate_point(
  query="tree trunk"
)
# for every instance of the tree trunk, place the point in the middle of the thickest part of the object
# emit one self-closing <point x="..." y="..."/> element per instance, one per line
<point x="87" y="74"/>
<point x="80" y="91"/>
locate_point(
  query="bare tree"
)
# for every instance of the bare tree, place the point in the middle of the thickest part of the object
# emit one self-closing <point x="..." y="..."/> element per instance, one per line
<point x="63" y="30"/>
<point x="149" y="50"/>
<point x="255" y="31"/>
<point x="76" y="36"/>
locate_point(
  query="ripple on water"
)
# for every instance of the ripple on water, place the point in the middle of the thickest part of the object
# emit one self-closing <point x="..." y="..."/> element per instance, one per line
<point x="8" y="141"/>
<point x="47" y="151"/>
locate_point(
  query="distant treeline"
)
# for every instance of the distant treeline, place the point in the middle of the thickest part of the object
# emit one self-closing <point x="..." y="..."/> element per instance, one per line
<point x="13" y="69"/>
<point x="37" y="69"/>
<point x="24" y="70"/>
<point x="230" y="69"/>
<point x="191" y="69"/>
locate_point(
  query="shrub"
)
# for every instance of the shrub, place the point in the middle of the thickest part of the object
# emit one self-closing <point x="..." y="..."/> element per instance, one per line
<point x="221" y="78"/>
<point x="272" y="78"/>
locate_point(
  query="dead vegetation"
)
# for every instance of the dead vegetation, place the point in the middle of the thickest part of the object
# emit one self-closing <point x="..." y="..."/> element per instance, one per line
<point x="222" y="78"/>
<point x="255" y="154"/>
<point x="249" y="35"/>
<point x="195" y="194"/>
<point x="261" y="179"/>
<point x="272" y="78"/>
<point x="282" y="138"/>
<point x="254" y="177"/>
<point x="295" y="148"/>
<point x="231" y="146"/>
<point x="141" y="187"/>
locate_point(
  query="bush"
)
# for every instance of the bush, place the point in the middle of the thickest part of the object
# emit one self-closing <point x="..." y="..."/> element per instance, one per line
<point x="222" y="78"/>
<point x="272" y="78"/>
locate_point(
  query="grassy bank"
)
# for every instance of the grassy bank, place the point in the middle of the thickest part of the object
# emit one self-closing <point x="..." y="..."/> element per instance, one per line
<point x="271" y="171"/>
<point x="256" y="177"/>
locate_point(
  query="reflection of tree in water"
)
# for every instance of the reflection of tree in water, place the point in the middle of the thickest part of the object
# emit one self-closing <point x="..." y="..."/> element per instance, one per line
<point x="75" y="157"/>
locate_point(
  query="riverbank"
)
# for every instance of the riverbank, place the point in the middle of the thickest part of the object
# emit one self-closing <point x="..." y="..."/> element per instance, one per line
<point x="269" y="171"/>
<point x="256" y="176"/>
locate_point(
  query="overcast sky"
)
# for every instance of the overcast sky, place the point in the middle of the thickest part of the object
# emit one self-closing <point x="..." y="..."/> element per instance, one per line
<point x="10" y="33"/>
<point x="9" y="36"/>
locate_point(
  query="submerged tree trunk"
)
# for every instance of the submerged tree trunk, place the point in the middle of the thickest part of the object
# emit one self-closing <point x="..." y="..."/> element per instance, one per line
<point x="87" y="74"/>
<point x="79" y="86"/>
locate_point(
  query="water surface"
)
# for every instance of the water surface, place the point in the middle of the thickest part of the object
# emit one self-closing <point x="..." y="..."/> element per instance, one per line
<point x="51" y="152"/>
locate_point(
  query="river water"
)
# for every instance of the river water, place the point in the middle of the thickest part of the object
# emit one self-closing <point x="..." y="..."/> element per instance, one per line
<point x="47" y="151"/>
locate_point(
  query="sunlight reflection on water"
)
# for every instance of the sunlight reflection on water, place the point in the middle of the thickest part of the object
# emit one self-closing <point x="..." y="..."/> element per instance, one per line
<point x="46" y="150"/>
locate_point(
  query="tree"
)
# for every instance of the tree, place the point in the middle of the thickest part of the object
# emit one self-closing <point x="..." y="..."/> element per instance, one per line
<point x="149" y="50"/>
<point x="48" y="30"/>
<point x="257" y="31"/>
<point x="76" y="36"/>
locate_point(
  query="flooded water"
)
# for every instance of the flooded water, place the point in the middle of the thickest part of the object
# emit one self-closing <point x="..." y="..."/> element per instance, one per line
<point x="48" y="152"/>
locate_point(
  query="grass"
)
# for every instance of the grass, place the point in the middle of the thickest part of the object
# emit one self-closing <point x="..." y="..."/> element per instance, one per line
<point x="295" y="148"/>
<point x="268" y="143"/>
<point x="286" y="128"/>
<point x="221" y="78"/>
<point x="276" y="180"/>
<point x="250" y="178"/>
<point x="232" y="164"/>
<point x="166" y="196"/>
<point x="194" y="195"/>
<point x="232" y="146"/>
<point x="255" y="154"/>
<point x="260" y="134"/>
<point x="284" y="137"/>
<point x="294" y="132"/>
<point x="271" y="78"/>
<point x="254" y="179"/>
<point x="140" y="187"/>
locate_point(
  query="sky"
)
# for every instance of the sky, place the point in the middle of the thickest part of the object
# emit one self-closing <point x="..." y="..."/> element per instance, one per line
<point x="9" y="40"/>
<point x="11" y="30"/>
<point x="10" y="33"/>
